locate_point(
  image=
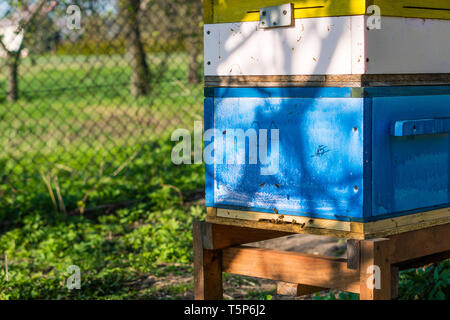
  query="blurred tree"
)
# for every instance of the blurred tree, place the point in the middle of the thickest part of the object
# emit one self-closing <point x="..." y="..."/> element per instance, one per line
<point x="99" y="30"/>
<point x="194" y="39"/>
<point x="20" y="18"/>
<point x="187" y="20"/>
<point x="176" y="25"/>
<point x="140" y="74"/>
<point x="45" y="37"/>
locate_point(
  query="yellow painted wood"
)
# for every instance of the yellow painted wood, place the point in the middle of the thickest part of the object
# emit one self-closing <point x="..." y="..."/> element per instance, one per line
<point x="291" y="228"/>
<point x="340" y="229"/>
<point x="224" y="11"/>
<point x="248" y="10"/>
<point x="406" y="223"/>
<point x="305" y="222"/>
<point x="211" y="212"/>
<point x="431" y="9"/>
<point x="208" y="7"/>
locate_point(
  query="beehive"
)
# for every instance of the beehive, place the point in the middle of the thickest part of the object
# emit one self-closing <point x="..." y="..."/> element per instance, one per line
<point x="362" y="115"/>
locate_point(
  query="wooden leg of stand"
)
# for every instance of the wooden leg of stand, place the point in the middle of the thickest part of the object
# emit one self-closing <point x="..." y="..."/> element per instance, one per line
<point x="207" y="269"/>
<point x="375" y="270"/>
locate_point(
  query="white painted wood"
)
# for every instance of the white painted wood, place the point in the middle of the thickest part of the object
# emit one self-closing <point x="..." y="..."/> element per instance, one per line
<point x="313" y="46"/>
<point x="358" y="27"/>
<point x="329" y="46"/>
<point x="409" y="45"/>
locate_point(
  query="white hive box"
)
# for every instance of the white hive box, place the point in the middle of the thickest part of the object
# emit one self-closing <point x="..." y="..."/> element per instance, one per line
<point x="416" y="42"/>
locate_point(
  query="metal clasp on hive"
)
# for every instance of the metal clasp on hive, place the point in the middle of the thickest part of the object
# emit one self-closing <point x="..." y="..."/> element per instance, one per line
<point x="276" y="16"/>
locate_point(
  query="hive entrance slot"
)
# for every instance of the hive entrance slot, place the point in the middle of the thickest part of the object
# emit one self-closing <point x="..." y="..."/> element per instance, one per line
<point x="426" y="8"/>
<point x="295" y="8"/>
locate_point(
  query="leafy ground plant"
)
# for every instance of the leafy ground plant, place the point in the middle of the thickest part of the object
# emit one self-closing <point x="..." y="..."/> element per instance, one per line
<point x="428" y="283"/>
<point x="128" y="250"/>
<point x="118" y="247"/>
<point x="431" y="282"/>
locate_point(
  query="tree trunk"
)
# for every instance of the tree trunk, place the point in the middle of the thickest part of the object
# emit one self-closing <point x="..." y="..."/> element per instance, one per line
<point x="194" y="49"/>
<point x="140" y="74"/>
<point x="12" y="84"/>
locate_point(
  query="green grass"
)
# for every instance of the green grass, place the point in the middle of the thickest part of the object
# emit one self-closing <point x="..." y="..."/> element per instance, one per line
<point x="114" y="246"/>
<point x="75" y="103"/>
<point x="87" y="179"/>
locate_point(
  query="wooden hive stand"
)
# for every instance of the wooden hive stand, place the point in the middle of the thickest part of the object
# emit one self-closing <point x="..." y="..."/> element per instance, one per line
<point x="218" y="248"/>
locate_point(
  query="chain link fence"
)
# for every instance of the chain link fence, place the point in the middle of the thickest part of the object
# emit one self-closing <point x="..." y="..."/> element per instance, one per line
<point x="87" y="88"/>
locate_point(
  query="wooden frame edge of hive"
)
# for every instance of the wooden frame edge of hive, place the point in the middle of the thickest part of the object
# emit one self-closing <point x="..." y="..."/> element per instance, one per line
<point x="327" y="227"/>
<point x="345" y="80"/>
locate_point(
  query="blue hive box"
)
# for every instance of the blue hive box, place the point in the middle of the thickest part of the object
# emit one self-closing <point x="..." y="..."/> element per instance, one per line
<point x="344" y="154"/>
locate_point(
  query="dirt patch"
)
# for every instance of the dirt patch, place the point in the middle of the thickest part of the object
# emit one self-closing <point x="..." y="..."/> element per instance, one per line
<point x="242" y="288"/>
<point x="319" y="245"/>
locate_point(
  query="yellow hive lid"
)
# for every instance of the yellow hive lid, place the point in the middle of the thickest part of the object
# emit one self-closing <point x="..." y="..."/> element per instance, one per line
<point x="221" y="11"/>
